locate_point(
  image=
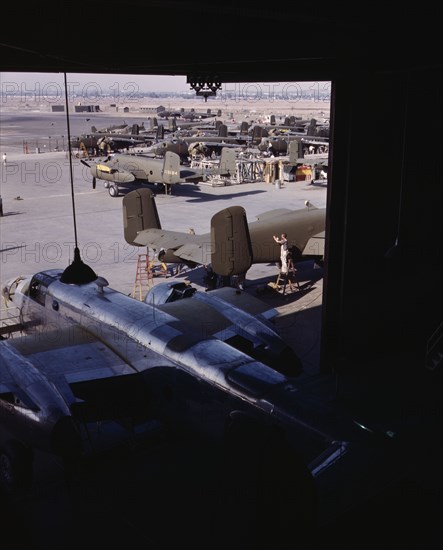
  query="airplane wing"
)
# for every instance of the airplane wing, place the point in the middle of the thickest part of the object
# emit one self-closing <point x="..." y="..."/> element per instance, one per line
<point x="68" y="357"/>
<point x="67" y="373"/>
<point x="273" y="214"/>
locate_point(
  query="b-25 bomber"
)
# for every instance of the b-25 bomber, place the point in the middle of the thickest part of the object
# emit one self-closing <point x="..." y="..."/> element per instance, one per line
<point x="232" y="245"/>
<point x="123" y="170"/>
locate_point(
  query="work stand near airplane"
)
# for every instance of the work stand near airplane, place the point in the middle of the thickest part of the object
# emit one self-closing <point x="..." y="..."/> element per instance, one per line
<point x="146" y="270"/>
<point x="286" y="282"/>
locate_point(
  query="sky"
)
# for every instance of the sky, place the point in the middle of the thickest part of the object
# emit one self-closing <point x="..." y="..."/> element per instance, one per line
<point x="153" y="83"/>
<point x="119" y="84"/>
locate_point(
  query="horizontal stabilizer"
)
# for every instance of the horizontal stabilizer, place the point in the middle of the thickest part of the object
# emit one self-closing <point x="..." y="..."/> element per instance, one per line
<point x="315" y="245"/>
<point x="230" y="242"/>
<point x="139" y="212"/>
<point x="162" y="238"/>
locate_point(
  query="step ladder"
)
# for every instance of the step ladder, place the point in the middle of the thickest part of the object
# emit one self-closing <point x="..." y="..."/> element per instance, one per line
<point x="287" y="281"/>
<point x="143" y="277"/>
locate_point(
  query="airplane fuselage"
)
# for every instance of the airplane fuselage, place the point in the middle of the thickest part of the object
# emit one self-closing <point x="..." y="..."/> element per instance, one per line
<point x="172" y="353"/>
<point x="299" y="228"/>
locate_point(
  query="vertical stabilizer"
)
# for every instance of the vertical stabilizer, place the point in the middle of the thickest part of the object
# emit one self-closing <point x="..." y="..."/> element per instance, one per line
<point x="295" y="150"/>
<point x="139" y="212"/>
<point x="160" y="132"/>
<point x="223" y="130"/>
<point x="171" y="168"/>
<point x="244" y="127"/>
<point x="230" y="242"/>
<point x="258" y="133"/>
<point x="228" y="166"/>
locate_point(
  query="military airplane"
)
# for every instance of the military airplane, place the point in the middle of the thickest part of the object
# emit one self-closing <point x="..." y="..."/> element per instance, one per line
<point x="128" y="170"/>
<point x="279" y="145"/>
<point x="95" y="366"/>
<point x="55" y="382"/>
<point x="170" y="113"/>
<point x="193" y="114"/>
<point x="232" y="244"/>
<point x="187" y="146"/>
<point x="108" y="140"/>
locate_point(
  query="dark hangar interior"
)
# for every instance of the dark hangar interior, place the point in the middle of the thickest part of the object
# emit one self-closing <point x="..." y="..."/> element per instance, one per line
<point x="382" y="304"/>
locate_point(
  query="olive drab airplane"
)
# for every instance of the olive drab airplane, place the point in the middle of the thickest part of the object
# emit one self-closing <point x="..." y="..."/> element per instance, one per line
<point x="123" y="170"/>
<point x="232" y="245"/>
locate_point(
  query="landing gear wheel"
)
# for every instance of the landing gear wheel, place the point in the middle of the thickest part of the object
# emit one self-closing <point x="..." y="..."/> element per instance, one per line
<point x="106" y="184"/>
<point x="113" y="190"/>
<point x="15" y="466"/>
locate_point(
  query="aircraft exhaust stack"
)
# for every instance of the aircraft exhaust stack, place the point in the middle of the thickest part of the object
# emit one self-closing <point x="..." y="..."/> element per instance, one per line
<point x="230" y="242"/>
<point x="139" y="212"/>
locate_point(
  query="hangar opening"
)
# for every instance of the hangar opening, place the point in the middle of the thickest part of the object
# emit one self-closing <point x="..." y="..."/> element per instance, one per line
<point x="277" y="134"/>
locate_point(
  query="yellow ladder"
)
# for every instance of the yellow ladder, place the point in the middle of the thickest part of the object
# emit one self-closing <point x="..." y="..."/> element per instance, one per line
<point x="143" y="276"/>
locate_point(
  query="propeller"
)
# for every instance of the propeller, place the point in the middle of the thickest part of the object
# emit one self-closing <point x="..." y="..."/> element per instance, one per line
<point x="94" y="181"/>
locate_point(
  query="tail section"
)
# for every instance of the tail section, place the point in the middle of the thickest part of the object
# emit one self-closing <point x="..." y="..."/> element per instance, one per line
<point x="244" y="127"/>
<point x="160" y="132"/>
<point x="139" y="212"/>
<point x="311" y="129"/>
<point x="227" y="165"/>
<point x="258" y="133"/>
<point x="295" y="150"/>
<point x="230" y="242"/>
<point x="222" y="130"/>
<point x="135" y="129"/>
<point x="171" y="168"/>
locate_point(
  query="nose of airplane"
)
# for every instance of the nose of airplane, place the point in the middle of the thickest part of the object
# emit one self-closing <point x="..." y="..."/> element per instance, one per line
<point x="8" y="289"/>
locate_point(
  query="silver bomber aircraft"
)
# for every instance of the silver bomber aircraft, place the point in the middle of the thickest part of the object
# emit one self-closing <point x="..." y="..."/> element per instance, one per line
<point x="207" y="364"/>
